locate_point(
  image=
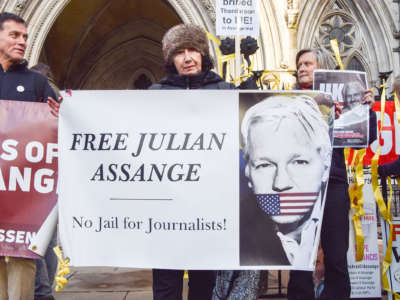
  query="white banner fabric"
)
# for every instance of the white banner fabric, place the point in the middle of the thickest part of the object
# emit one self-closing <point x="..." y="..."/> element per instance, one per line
<point x="115" y="211"/>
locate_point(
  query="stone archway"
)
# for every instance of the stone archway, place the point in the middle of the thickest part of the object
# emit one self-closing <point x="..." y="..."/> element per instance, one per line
<point x="98" y="44"/>
<point x="53" y="23"/>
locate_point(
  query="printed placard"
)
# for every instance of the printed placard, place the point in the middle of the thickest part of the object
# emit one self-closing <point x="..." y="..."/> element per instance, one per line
<point x="348" y="88"/>
<point x="237" y="17"/>
<point x="28" y="173"/>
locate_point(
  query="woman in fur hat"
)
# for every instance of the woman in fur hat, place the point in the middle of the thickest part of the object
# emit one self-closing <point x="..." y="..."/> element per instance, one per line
<point x="188" y="66"/>
<point x="188" y="61"/>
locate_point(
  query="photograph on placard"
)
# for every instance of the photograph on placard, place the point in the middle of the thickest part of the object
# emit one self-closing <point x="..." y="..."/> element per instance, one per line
<point x="347" y="87"/>
<point x="284" y="169"/>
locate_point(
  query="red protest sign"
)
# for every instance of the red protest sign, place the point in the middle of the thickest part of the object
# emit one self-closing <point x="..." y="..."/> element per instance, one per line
<point x="28" y="173"/>
<point x="390" y="136"/>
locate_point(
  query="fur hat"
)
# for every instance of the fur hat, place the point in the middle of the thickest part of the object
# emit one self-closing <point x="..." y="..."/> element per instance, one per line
<point x="184" y="36"/>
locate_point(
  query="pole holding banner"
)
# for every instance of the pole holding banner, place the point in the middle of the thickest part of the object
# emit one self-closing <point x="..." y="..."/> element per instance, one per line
<point x="237" y="60"/>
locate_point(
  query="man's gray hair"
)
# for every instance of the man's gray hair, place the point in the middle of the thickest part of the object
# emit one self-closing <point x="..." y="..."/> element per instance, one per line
<point x="297" y="108"/>
<point x="324" y="59"/>
<point x="396" y="85"/>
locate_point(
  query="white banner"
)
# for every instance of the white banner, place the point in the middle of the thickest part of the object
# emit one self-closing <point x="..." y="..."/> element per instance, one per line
<point x="365" y="275"/>
<point x="237" y="17"/>
<point x="151" y="179"/>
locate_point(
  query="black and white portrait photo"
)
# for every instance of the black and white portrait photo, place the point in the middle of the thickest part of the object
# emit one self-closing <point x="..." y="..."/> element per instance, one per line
<point x="348" y="88"/>
<point x="286" y="155"/>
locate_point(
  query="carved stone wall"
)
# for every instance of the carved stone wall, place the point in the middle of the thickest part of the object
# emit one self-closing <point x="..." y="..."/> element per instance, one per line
<point x="365" y="30"/>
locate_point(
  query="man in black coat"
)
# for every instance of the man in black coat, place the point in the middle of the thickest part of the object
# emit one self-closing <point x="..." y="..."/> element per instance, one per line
<point x="335" y="224"/>
<point x="19" y="83"/>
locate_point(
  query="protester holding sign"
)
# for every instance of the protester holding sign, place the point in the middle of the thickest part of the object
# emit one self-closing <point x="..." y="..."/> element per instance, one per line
<point x="188" y="64"/>
<point x="17" y="82"/>
<point x="335" y="227"/>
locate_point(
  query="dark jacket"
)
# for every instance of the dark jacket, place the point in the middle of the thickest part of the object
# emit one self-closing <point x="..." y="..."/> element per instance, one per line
<point x="207" y="80"/>
<point x="338" y="167"/>
<point x="390" y="169"/>
<point x="20" y="83"/>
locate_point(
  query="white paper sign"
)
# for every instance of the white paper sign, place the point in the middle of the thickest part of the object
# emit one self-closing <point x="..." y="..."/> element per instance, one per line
<point x="142" y="157"/>
<point x="365" y="275"/>
<point x="237" y="17"/>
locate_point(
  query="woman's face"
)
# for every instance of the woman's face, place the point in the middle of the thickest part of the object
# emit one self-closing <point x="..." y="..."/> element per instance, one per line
<point x="188" y="61"/>
<point x="283" y="163"/>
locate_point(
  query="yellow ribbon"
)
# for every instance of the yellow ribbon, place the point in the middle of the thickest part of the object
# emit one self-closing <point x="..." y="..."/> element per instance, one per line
<point x="357" y="203"/>
<point x="383" y="105"/>
<point x="250" y="68"/>
<point x="346" y="155"/>
<point x="220" y="57"/>
<point x="287" y="86"/>
<point x="335" y="48"/>
<point x="213" y="38"/>
<point x="62" y="270"/>
<point x="276" y="83"/>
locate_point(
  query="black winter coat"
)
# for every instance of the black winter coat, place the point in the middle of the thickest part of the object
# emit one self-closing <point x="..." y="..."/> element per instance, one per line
<point x="204" y="80"/>
<point x="390" y="169"/>
<point x="20" y="83"/>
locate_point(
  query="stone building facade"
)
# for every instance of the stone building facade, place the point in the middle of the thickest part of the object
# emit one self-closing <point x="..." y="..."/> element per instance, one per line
<point x="102" y="44"/>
